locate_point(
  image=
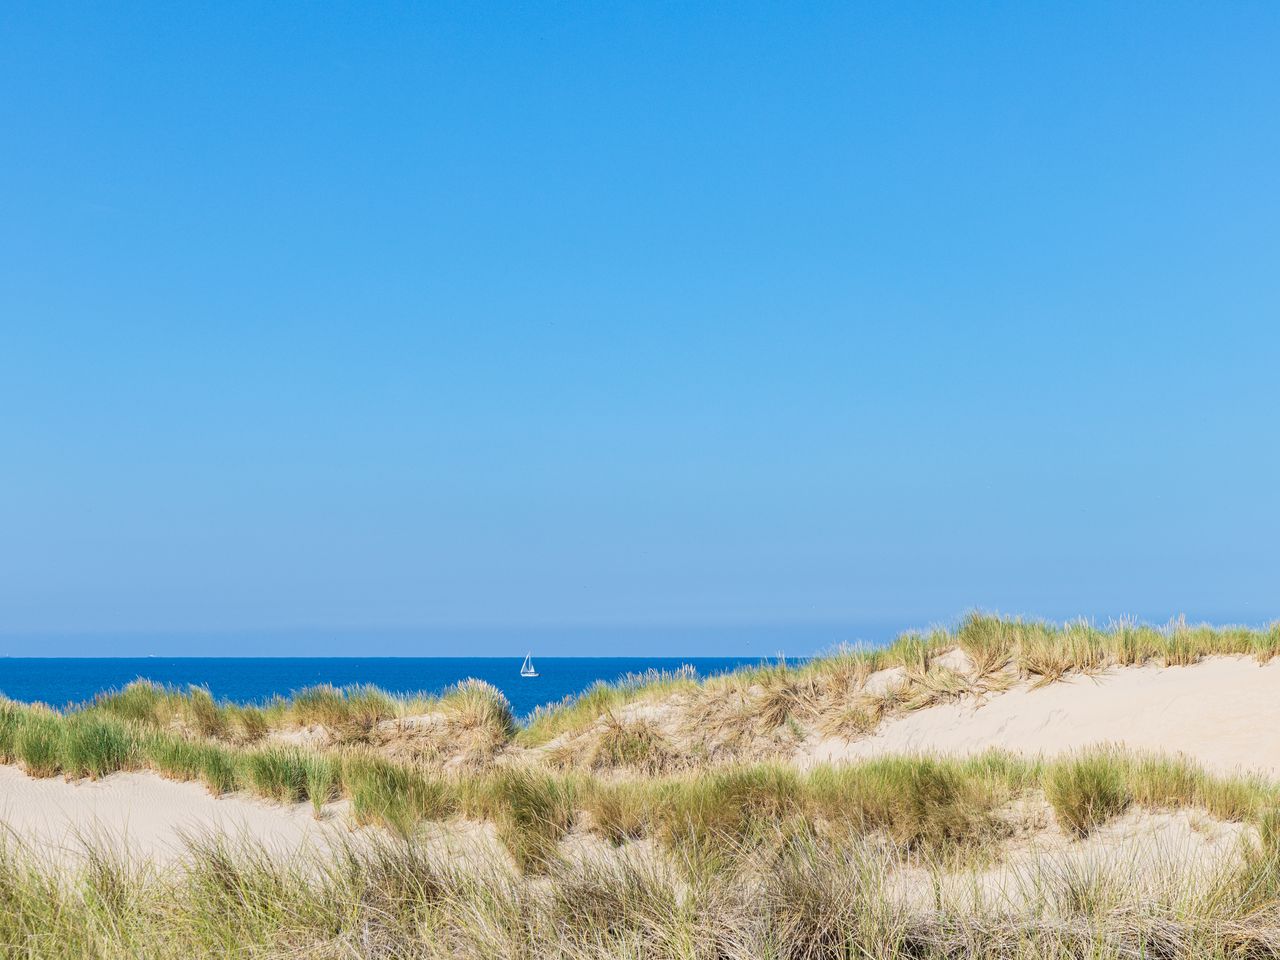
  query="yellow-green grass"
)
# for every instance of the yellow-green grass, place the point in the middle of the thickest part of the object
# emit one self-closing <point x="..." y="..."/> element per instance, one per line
<point x="818" y="693"/>
<point x="940" y="805"/>
<point x="393" y="794"/>
<point x="812" y="899"/>
<point x="821" y="691"/>
<point x="548" y="722"/>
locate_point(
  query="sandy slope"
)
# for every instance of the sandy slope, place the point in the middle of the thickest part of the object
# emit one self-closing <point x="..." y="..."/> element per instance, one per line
<point x="1224" y="712"/>
<point x="147" y="814"/>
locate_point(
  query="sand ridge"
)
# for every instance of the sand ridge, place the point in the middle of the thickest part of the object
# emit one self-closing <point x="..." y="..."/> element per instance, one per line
<point x="1222" y="712"/>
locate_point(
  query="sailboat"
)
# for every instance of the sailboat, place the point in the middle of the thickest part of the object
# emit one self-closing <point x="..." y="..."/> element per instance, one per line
<point x="527" y="670"/>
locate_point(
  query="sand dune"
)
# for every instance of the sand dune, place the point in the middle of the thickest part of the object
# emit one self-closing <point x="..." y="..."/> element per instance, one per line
<point x="1222" y="712"/>
<point x="148" y="815"/>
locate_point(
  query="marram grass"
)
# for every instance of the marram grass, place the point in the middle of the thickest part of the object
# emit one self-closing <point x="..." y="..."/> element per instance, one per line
<point x="814" y="898"/>
<point x="758" y="860"/>
<point x="819" y="693"/>
<point x="944" y="806"/>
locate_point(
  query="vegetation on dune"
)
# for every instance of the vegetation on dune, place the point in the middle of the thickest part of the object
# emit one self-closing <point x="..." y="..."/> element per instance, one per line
<point x="947" y="807"/>
<point x="392" y="794"/>
<point x="1086" y="791"/>
<point x="756" y="712"/>
<point x="38" y="743"/>
<point x="814" y="899"/>
<point x="762" y="860"/>
<point x="758" y="859"/>
<point x="601" y="698"/>
<point x="666" y="721"/>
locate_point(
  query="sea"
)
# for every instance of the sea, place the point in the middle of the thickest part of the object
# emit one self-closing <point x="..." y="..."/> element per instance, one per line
<point x="70" y="680"/>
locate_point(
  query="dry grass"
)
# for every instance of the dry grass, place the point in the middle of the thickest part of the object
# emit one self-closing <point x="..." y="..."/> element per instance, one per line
<point x="658" y="722"/>
<point x="816" y="897"/>
<point x="761" y="712"/>
<point x="749" y="714"/>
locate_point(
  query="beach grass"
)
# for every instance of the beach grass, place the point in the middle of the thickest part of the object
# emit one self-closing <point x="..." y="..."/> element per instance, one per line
<point x="394" y="795"/>
<point x="722" y="855"/>
<point x="815" y="898"/>
<point x="38" y="743"/>
<point x="92" y="746"/>
<point x="277" y="773"/>
<point x="743" y="714"/>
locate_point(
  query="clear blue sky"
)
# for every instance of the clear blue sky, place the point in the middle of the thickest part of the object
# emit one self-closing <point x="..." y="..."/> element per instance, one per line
<point x="412" y="322"/>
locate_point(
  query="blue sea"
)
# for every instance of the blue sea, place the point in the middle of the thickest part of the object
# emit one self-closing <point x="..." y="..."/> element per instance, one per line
<point x="70" y="680"/>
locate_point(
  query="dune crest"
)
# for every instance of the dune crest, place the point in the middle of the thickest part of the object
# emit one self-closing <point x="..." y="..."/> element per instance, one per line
<point x="1222" y="712"/>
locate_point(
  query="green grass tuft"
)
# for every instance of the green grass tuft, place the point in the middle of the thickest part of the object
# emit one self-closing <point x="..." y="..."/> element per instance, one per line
<point x="278" y="773"/>
<point x="94" y="746"/>
<point x="1087" y="790"/>
<point x="38" y="743"/>
<point x="394" y="795"/>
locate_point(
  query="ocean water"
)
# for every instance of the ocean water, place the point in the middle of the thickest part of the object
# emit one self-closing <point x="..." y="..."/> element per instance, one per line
<point x="65" y="680"/>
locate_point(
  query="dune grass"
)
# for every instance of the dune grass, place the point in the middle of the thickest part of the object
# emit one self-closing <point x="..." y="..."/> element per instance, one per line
<point x="548" y="722"/>
<point x="1088" y="790"/>
<point x="91" y="746"/>
<point x="943" y="806"/>
<point x="826" y="693"/>
<point x="814" y="899"/>
<point x="949" y="811"/>
<point x="760" y="859"/>
<point x="745" y="714"/>
<point x="393" y="794"/>
<point x="38" y="743"/>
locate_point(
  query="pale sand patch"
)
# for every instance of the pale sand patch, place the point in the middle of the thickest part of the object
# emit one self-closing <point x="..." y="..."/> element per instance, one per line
<point x="146" y="816"/>
<point x="1222" y="712"/>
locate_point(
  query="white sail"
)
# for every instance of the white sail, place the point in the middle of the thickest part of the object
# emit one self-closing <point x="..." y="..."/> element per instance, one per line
<point x="526" y="669"/>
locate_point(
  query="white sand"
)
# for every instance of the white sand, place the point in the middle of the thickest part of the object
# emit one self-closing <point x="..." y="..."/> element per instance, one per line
<point x="147" y="816"/>
<point x="1223" y="712"/>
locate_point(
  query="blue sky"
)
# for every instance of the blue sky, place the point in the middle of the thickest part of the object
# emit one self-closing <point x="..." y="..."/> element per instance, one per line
<point x="665" y="328"/>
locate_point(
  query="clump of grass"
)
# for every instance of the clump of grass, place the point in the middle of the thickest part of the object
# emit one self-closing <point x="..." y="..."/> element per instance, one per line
<point x="10" y="722"/>
<point x="1266" y="644"/>
<point x="531" y="809"/>
<point x="141" y="702"/>
<point x="578" y="712"/>
<point x="219" y="771"/>
<point x="634" y="744"/>
<point x="393" y="794"/>
<point x="1046" y="653"/>
<point x="182" y="758"/>
<point x="914" y="650"/>
<point x="988" y="642"/>
<point x="918" y="801"/>
<point x="95" y="746"/>
<point x="1184" y="646"/>
<point x="1087" y="790"/>
<point x="174" y="756"/>
<point x="207" y="719"/>
<point x="619" y="811"/>
<point x="717" y="815"/>
<point x="351" y="713"/>
<point x="250" y="724"/>
<point x="937" y="684"/>
<point x="783" y="695"/>
<point x="1133" y="644"/>
<point x="278" y="773"/>
<point x="852" y="720"/>
<point x="323" y="780"/>
<point x="478" y="720"/>
<point x="38" y="743"/>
